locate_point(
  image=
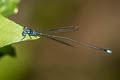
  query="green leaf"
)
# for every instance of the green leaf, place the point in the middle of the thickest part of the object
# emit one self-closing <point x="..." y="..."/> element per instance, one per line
<point x="10" y="32"/>
<point x="8" y="7"/>
<point x="7" y="50"/>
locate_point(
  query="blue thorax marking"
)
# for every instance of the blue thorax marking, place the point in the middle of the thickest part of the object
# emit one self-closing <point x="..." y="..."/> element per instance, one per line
<point x="28" y="31"/>
<point x="33" y="33"/>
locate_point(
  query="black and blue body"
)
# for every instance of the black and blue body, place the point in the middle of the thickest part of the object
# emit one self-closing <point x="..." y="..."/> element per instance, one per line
<point x="30" y="33"/>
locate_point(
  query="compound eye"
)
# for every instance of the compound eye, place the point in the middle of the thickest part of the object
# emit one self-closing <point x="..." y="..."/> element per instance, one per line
<point x="25" y="27"/>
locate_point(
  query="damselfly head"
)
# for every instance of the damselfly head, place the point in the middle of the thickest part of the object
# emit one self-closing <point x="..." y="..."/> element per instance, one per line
<point x="23" y="33"/>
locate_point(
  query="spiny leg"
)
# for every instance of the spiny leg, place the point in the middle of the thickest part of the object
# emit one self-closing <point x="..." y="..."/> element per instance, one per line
<point x="23" y="38"/>
<point x="29" y="36"/>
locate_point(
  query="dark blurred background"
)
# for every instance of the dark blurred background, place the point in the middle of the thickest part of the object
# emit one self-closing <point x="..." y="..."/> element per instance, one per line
<point x="99" y="24"/>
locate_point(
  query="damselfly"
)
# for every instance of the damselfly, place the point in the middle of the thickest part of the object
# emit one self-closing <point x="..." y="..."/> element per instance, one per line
<point x="30" y="33"/>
